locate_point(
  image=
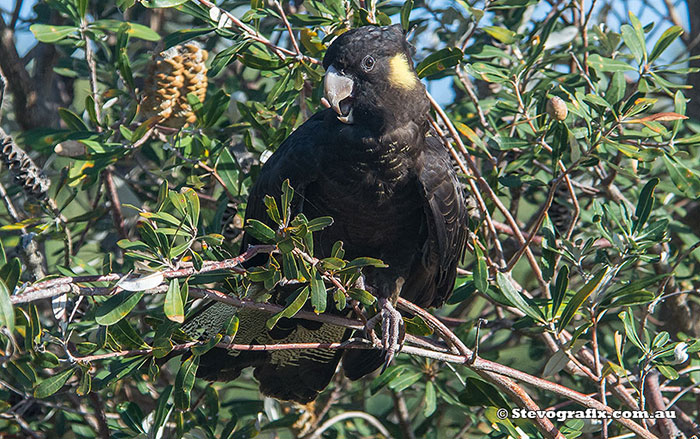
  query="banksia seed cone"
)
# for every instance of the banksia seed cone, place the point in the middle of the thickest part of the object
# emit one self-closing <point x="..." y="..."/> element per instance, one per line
<point x="25" y="172"/>
<point x="172" y="74"/>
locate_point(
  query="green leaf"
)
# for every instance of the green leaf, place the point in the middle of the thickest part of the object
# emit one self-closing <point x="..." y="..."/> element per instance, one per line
<point x="125" y="336"/>
<point x="481" y="273"/>
<point x="117" y="307"/>
<point x="685" y="179"/>
<point x="260" y="231"/>
<point x="85" y="385"/>
<point x="184" y="382"/>
<point x="10" y="273"/>
<point x="668" y="372"/>
<point x="580" y="297"/>
<point x="516" y="299"/>
<point x="560" y="287"/>
<point x="291" y="309"/>
<point x="192" y="200"/>
<point x="7" y="313"/>
<point x="173" y="306"/>
<point x="162" y="413"/>
<point x="644" y="204"/>
<point x="417" y="326"/>
<point x="206" y="347"/>
<point x="365" y="262"/>
<point x="131" y="415"/>
<point x="404" y="381"/>
<point x="607" y="64"/>
<point x="630" y="329"/>
<point x="287" y="196"/>
<point x="616" y="89"/>
<point x="430" y="400"/>
<point x="389" y="374"/>
<point x="272" y="211"/>
<point x="502" y="34"/>
<point x="319" y="297"/>
<point x="633" y="42"/>
<point x="480" y="393"/>
<point x="162" y="3"/>
<point x="362" y="296"/>
<point x="665" y="40"/>
<point x="406" y="14"/>
<point x="53" y="384"/>
<point x="72" y="120"/>
<point x="142" y="32"/>
<point x="47" y="33"/>
<point x="231" y="327"/>
<point x="228" y="170"/>
<point x="319" y="223"/>
<point x="439" y="61"/>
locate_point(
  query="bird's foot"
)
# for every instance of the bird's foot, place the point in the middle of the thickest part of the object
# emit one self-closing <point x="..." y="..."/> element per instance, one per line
<point x="393" y="331"/>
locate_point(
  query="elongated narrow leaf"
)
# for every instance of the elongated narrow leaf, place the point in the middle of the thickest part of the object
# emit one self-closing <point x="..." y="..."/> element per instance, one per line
<point x="287" y="196"/>
<point x="631" y="329"/>
<point x="406" y="14"/>
<point x="53" y="384"/>
<point x="117" y="307"/>
<point x="47" y="33"/>
<point x="228" y="169"/>
<point x="439" y="61"/>
<point x="291" y="309"/>
<point x="560" y="289"/>
<point x="318" y="293"/>
<point x="516" y="299"/>
<point x="608" y="65"/>
<point x="645" y="204"/>
<point x="162" y="413"/>
<point x="430" y="399"/>
<point x="173" y="306"/>
<point x="633" y="42"/>
<point x="184" y="381"/>
<point x="580" y="297"/>
<point x="665" y="40"/>
<point x="260" y="230"/>
<point x="502" y="34"/>
<point x="404" y="381"/>
<point x="481" y="274"/>
<point x="7" y="314"/>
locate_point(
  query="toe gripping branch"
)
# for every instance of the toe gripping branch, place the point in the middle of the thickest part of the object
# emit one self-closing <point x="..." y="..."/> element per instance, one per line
<point x="393" y="330"/>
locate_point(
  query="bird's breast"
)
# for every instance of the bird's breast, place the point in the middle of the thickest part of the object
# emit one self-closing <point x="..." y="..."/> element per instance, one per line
<point x="376" y="204"/>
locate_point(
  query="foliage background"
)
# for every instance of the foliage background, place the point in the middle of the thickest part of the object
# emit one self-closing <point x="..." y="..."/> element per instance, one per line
<point x="602" y="300"/>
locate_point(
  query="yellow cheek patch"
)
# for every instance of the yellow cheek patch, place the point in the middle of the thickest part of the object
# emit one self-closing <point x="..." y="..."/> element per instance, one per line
<point x="400" y="73"/>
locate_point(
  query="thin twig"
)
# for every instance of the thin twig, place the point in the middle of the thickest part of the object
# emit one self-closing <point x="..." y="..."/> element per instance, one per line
<point x="349" y="415"/>
<point x="289" y="28"/>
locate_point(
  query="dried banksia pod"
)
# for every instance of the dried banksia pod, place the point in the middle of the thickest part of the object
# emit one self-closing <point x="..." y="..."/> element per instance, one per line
<point x="172" y="74"/>
<point x="556" y="108"/>
<point x="25" y="172"/>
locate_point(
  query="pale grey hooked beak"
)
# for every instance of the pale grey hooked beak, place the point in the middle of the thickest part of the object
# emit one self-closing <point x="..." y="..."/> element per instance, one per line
<point x="337" y="89"/>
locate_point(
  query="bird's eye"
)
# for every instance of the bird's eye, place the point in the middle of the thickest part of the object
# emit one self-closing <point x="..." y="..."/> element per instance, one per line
<point x="368" y="63"/>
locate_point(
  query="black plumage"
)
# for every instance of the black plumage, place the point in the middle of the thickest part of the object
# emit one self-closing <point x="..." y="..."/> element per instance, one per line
<point x="371" y="163"/>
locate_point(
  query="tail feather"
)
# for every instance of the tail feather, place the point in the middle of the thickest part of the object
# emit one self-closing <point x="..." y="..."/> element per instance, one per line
<point x="295" y="375"/>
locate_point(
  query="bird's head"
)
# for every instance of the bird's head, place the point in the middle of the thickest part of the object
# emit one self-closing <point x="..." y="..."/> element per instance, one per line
<point x="370" y="78"/>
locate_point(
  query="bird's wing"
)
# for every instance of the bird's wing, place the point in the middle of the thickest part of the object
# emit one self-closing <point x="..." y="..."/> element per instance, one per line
<point x="297" y="160"/>
<point x="446" y="215"/>
<point x="297" y="375"/>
